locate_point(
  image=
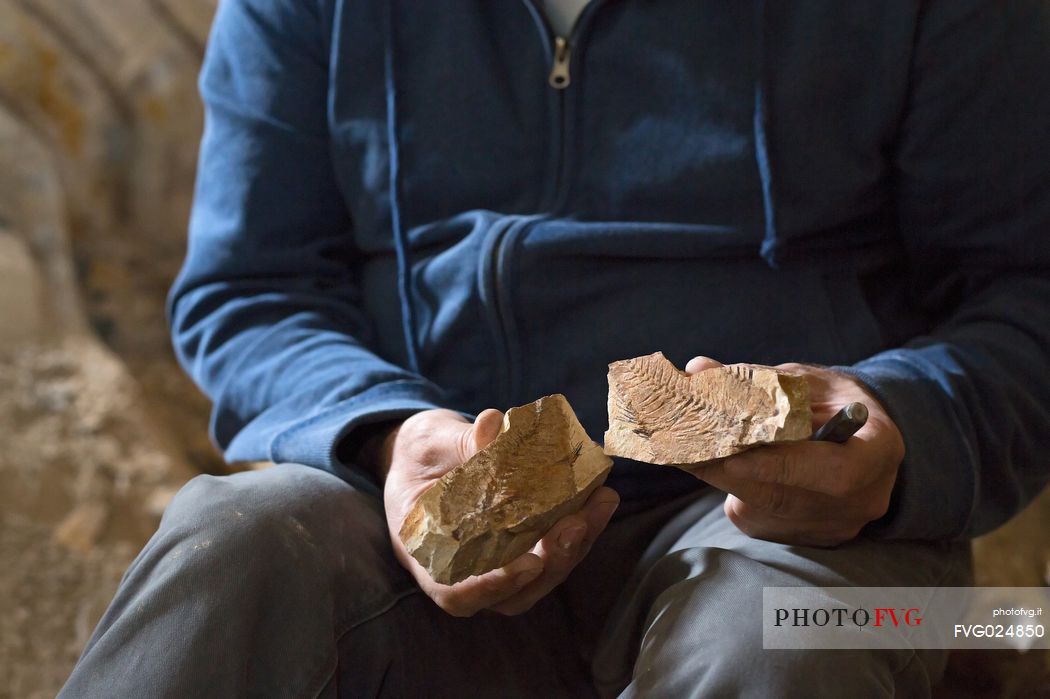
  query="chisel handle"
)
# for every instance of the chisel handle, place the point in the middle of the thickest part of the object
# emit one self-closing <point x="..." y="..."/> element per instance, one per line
<point x="843" y="424"/>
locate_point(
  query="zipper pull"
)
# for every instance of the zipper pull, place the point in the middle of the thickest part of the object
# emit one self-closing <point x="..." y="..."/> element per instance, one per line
<point x="559" y="78"/>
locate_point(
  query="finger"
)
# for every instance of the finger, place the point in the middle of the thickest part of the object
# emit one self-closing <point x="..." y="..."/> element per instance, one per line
<point x="572" y="537"/>
<point x="479" y="592"/>
<point x="598" y="511"/>
<point x="699" y="363"/>
<point x="474" y="437"/>
<point x="838" y="470"/>
<point x="466" y="598"/>
<point x="561" y="549"/>
<point x="830" y="391"/>
<point x="788" y="502"/>
<point x="824" y="410"/>
<point x="487" y="427"/>
<point x="777" y="499"/>
<point x="759" y="524"/>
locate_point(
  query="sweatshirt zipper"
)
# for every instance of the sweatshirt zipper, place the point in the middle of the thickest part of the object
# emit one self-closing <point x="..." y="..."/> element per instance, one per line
<point x="562" y="50"/>
<point x="560" y="77"/>
<point x="505" y="239"/>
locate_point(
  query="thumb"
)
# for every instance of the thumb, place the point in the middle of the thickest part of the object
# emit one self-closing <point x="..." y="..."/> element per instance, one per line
<point x="487" y="426"/>
<point x="479" y="435"/>
<point x="698" y="364"/>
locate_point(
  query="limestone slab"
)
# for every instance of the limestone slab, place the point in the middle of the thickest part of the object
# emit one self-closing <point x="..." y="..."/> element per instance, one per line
<point x="661" y="415"/>
<point x="486" y="512"/>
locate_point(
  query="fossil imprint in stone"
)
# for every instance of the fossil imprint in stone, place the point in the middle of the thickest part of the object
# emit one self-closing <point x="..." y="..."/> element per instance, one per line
<point x="661" y="415"/>
<point x="486" y="512"/>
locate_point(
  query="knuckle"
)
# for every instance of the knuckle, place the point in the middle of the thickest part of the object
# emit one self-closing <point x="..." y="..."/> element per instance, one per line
<point x="564" y="558"/>
<point x="757" y="466"/>
<point x="517" y="585"/>
<point x="571" y="522"/>
<point x="788" y="468"/>
<point x="777" y="500"/>
<point x="739" y="466"/>
<point x="772" y="467"/>
<point x="897" y="449"/>
<point x="494" y="591"/>
<point x="554" y="572"/>
<point x="877" y="508"/>
<point x="847" y="533"/>
<point x="465" y="444"/>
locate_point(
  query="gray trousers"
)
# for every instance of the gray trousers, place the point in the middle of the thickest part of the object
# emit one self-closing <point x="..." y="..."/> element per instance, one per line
<point x="282" y="583"/>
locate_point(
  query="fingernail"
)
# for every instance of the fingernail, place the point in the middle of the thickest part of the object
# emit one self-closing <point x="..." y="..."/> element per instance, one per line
<point x="523" y="579"/>
<point x="571" y="537"/>
<point x="698" y="364"/>
<point x="610" y="506"/>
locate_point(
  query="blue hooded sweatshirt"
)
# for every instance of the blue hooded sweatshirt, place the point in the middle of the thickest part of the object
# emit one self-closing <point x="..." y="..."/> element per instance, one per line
<point x="409" y="205"/>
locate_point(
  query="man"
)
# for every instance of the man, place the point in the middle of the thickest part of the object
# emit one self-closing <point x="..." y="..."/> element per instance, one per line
<point x="409" y="213"/>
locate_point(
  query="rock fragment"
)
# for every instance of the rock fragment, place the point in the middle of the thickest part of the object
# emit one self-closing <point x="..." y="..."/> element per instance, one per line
<point x="486" y="512"/>
<point x="661" y="415"/>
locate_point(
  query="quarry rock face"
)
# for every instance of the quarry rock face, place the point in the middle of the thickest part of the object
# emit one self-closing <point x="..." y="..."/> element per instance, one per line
<point x="21" y="306"/>
<point x="99" y="125"/>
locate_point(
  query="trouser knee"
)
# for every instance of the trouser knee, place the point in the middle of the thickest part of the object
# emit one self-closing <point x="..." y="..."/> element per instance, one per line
<point x="707" y="640"/>
<point x="283" y="518"/>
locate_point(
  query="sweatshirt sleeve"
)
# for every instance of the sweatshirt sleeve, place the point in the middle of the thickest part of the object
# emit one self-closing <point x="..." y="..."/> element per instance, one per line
<point x="972" y="397"/>
<point x="266" y="313"/>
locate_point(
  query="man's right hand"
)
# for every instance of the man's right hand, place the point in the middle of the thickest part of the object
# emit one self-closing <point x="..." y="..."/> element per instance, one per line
<point x="424" y="447"/>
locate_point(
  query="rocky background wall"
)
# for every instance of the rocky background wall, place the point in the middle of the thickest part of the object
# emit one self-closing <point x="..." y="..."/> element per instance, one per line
<point x="99" y="123"/>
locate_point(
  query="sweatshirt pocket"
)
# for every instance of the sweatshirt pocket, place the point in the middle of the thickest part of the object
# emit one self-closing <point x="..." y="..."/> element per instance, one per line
<point x="584" y="295"/>
<point x="461" y="298"/>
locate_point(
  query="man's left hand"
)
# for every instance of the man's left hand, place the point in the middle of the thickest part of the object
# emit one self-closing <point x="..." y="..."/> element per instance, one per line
<point x="812" y="493"/>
